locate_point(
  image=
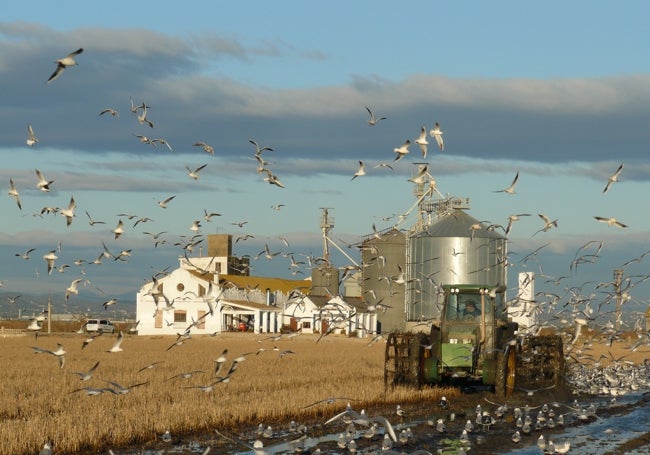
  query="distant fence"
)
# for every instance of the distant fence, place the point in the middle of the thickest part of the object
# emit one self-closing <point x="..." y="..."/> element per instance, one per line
<point x="11" y="332"/>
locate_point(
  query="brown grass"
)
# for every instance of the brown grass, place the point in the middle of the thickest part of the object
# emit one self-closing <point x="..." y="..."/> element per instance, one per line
<point x="37" y="402"/>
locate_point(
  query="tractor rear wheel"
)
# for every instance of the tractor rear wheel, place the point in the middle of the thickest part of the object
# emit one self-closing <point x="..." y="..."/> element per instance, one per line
<point x="506" y="371"/>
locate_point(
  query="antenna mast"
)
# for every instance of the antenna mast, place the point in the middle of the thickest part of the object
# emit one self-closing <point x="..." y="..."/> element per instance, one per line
<point x="326" y="225"/>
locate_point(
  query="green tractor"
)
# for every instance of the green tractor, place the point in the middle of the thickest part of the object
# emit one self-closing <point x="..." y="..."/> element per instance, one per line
<point x="474" y="343"/>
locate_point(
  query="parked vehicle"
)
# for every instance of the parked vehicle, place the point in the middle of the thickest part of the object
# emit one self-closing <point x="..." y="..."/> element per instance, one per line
<point x="100" y="325"/>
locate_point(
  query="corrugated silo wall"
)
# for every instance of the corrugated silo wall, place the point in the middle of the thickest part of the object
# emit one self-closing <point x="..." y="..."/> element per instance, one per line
<point x="380" y="259"/>
<point x="325" y="281"/>
<point x="438" y="260"/>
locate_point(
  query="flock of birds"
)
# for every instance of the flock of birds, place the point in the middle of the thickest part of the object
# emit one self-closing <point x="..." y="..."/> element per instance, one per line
<point x="381" y="435"/>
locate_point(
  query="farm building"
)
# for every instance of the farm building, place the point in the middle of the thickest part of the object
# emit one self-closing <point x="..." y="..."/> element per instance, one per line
<point x="214" y="293"/>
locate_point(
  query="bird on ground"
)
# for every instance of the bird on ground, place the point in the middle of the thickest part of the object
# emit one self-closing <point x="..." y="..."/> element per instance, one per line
<point x="207" y="148"/>
<point x="50" y="258"/>
<point x="422" y="142"/>
<point x="47" y="449"/>
<point x="13" y="192"/>
<point x="402" y="150"/>
<point x="111" y="111"/>
<point x="31" y="137"/>
<point x="72" y="289"/>
<point x="68" y="212"/>
<point x="613" y="178"/>
<point x="511" y="188"/>
<point x="437" y="133"/>
<point x="86" y="375"/>
<point x="117" y="346"/>
<point x="43" y="184"/>
<point x="610" y="221"/>
<point x="63" y="63"/>
<point x="195" y="173"/>
<point x="361" y="171"/>
<point x="373" y="120"/>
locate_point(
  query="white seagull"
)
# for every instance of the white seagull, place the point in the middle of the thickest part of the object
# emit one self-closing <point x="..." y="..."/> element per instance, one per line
<point x="402" y="150"/>
<point x="68" y="213"/>
<point x="50" y="258"/>
<point x="31" y="137"/>
<point x="372" y="121"/>
<point x="437" y="133"/>
<point x="13" y="192"/>
<point x="117" y="346"/>
<point x="207" y="148"/>
<point x="111" y="111"/>
<point x="163" y="204"/>
<point x="613" y="178"/>
<point x="119" y="229"/>
<point x="43" y="184"/>
<point x="63" y="63"/>
<point x="422" y="142"/>
<point x="195" y="173"/>
<point x="72" y="289"/>
<point x="610" y="221"/>
<point x="511" y="188"/>
<point x="361" y="171"/>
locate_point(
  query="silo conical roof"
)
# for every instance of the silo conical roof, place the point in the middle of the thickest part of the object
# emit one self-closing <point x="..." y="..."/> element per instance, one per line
<point x="459" y="224"/>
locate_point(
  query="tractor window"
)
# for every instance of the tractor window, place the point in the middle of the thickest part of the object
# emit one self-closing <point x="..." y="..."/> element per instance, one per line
<point x="467" y="307"/>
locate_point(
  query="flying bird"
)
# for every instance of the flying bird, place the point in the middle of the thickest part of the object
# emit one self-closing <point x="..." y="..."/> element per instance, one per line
<point x="163" y="203"/>
<point x="361" y="171"/>
<point x="31" y="137"/>
<point x="610" y="221"/>
<point x="258" y="149"/>
<point x="613" y="178"/>
<point x="119" y="229"/>
<point x="68" y="212"/>
<point x="72" y="289"/>
<point x="63" y="63"/>
<point x="372" y="121"/>
<point x="207" y="148"/>
<point x="111" y="111"/>
<point x="91" y="221"/>
<point x="208" y="216"/>
<point x="43" y="184"/>
<point x="511" y="188"/>
<point x="402" y="150"/>
<point x="13" y="192"/>
<point x="422" y="142"/>
<point x="195" y="173"/>
<point x="548" y="223"/>
<point x="50" y="258"/>
<point x="437" y="134"/>
<point x="117" y="346"/>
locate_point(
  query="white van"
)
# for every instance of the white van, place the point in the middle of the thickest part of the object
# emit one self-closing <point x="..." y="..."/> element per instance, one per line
<point x="100" y="325"/>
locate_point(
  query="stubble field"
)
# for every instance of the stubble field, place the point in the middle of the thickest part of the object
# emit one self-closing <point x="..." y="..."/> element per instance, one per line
<point x="40" y="401"/>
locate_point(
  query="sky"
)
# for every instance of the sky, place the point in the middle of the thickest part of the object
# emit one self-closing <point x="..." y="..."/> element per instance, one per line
<point x="555" y="92"/>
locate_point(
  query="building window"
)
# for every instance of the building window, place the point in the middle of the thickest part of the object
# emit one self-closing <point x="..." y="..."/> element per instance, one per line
<point x="180" y="287"/>
<point x="201" y="291"/>
<point x="180" y="316"/>
<point x="306" y="324"/>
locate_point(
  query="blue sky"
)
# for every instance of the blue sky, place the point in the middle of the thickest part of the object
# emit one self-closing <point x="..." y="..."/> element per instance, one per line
<point x="557" y="92"/>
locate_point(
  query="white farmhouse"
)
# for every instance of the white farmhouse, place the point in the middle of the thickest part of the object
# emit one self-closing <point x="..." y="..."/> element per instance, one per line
<point x="212" y="294"/>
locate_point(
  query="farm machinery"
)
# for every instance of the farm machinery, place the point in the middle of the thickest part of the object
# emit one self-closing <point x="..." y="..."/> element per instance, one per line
<point x="479" y="347"/>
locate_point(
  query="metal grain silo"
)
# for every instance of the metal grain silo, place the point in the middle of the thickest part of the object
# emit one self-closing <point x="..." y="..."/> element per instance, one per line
<point x="325" y="280"/>
<point x="456" y="249"/>
<point x="382" y="256"/>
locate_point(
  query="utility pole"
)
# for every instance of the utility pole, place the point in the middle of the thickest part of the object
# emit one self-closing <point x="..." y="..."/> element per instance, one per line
<point x="618" y="279"/>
